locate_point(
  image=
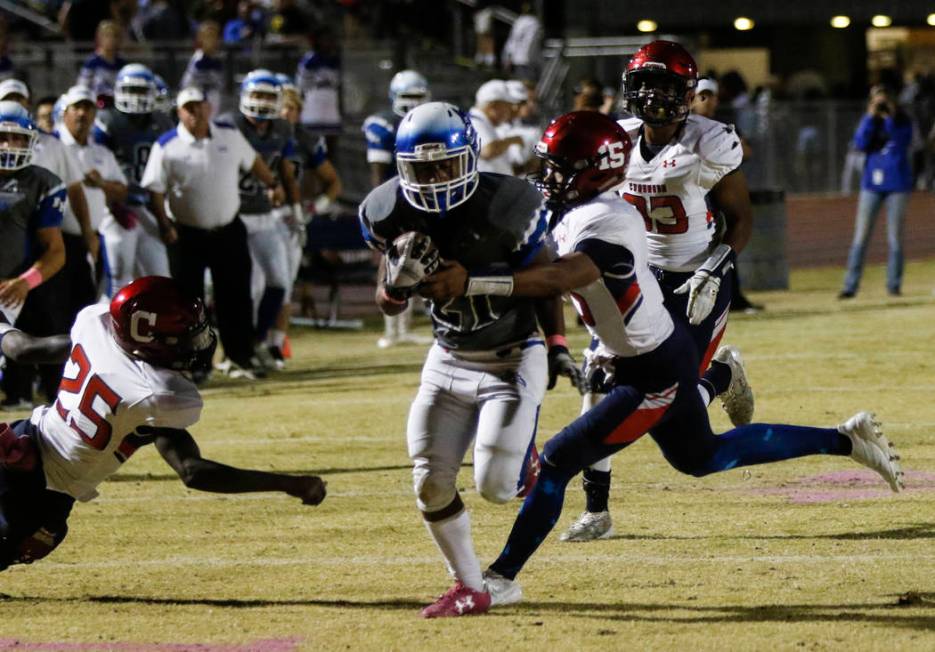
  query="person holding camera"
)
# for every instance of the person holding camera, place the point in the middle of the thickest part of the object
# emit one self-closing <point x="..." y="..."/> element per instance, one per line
<point x="885" y="135"/>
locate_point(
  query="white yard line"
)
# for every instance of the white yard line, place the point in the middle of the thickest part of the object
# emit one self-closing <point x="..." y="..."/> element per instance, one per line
<point x="552" y="558"/>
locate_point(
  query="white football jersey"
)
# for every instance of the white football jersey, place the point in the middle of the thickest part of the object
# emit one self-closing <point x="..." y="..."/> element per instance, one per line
<point x="623" y="308"/>
<point x="669" y="190"/>
<point x="104" y="397"/>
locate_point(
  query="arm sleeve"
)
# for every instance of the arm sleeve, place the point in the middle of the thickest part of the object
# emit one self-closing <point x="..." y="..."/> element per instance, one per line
<point x="288" y="150"/>
<point x="376" y="216"/>
<point x="175" y="410"/>
<point x="380" y="140"/>
<point x="85" y="76"/>
<point x="101" y="135"/>
<point x="48" y="212"/>
<point x="864" y="135"/>
<point x="319" y="153"/>
<point x="155" y="177"/>
<point x="899" y="131"/>
<point x="720" y="152"/>
<point x="607" y="256"/>
<point x="532" y="240"/>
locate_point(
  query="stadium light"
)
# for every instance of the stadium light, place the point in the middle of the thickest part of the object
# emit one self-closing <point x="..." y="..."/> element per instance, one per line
<point x="881" y="21"/>
<point x="930" y="20"/>
<point x="840" y="22"/>
<point x="647" y="25"/>
<point x="743" y="24"/>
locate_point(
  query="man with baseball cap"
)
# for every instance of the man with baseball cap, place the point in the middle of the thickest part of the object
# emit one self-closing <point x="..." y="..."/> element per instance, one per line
<point x="198" y="166"/>
<point x="104" y="183"/>
<point x="493" y="108"/>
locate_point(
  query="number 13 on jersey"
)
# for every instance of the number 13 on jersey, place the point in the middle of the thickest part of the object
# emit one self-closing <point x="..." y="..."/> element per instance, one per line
<point x="662" y="214"/>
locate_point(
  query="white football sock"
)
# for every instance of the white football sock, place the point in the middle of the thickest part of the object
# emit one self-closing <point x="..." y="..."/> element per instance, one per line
<point x="453" y="538"/>
<point x="390" y="328"/>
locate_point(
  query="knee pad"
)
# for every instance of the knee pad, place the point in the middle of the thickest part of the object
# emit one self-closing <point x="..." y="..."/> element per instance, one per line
<point x="434" y="491"/>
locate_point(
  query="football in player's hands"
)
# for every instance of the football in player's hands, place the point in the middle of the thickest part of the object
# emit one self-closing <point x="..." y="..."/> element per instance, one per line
<point x="309" y="488"/>
<point x="412" y="257"/>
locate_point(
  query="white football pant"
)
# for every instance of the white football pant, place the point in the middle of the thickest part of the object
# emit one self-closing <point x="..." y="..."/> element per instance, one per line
<point x="136" y="252"/>
<point x="491" y="400"/>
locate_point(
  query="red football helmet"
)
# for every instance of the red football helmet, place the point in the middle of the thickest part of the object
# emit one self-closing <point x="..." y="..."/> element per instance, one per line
<point x="659" y="82"/>
<point x="156" y="321"/>
<point x="584" y="153"/>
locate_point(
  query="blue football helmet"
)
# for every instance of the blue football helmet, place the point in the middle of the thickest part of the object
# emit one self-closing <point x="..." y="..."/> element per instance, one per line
<point x="261" y="95"/>
<point x="135" y="89"/>
<point x="436" y="156"/>
<point x="286" y="82"/>
<point x="408" y="89"/>
<point x="17" y="136"/>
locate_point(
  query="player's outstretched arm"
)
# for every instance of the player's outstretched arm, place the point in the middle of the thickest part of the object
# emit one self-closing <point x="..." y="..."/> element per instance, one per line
<point x="552" y="279"/>
<point x="20" y="347"/>
<point x="179" y="450"/>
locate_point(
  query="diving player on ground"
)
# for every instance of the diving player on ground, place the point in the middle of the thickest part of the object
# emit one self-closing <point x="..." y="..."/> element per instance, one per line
<point x="125" y="386"/>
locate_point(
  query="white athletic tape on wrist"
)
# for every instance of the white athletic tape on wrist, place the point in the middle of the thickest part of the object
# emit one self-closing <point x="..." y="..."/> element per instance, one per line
<point x="495" y="285"/>
<point x="716" y="259"/>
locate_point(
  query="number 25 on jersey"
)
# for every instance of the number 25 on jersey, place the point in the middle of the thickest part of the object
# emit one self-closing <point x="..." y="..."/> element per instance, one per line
<point x="90" y="424"/>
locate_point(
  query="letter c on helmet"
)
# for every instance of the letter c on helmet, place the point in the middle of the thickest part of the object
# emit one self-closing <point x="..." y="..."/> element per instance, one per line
<point x="144" y="334"/>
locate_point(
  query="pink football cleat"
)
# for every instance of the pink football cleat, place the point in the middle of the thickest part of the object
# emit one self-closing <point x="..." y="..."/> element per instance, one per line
<point x="533" y="466"/>
<point x="458" y="601"/>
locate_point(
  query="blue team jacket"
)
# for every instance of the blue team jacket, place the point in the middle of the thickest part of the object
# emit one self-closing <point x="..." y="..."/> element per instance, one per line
<point x="887" y="168"/>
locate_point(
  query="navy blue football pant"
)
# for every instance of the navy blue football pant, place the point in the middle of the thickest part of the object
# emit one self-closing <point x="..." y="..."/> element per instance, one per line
<point x="657" y="392"/>
<point x="33" y="519"/>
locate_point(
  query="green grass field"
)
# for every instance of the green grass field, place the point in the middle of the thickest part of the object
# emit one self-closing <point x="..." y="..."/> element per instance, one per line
<point x="807" y="554"/>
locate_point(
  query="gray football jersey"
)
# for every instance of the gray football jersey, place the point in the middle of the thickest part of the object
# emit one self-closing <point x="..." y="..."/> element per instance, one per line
<point x="276" y="144"/>
<point x="30" y="199"/>
<point x="500" y="228"/>
<point x="131" y="138"/>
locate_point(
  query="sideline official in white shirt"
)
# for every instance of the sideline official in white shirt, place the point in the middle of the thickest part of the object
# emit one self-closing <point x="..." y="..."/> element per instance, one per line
<point x="491" y="109"/>
<point x="103" y="183"/>
<point x="197" y="166"/>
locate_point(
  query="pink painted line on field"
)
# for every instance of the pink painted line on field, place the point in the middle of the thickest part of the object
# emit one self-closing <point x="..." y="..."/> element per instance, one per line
<point x="844" y="486"/>
<point x="262" y="645"/>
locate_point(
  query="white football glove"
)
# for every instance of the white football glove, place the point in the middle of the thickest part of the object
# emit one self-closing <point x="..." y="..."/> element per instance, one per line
<point x="410" y="258"/>
<point x="703" y="286"/>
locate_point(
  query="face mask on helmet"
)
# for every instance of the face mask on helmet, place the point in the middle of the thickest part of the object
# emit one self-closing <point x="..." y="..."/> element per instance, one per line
<point x="261" y="98"/>
<point x="135" y="94"/>
<point x="408" y="89"/>
<point x="584" y="154"/>
<point x="657" y="97"/>
<point x="436" y="156"/>
<point x="17" y="139"/>
<point x="553" y="182"/>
